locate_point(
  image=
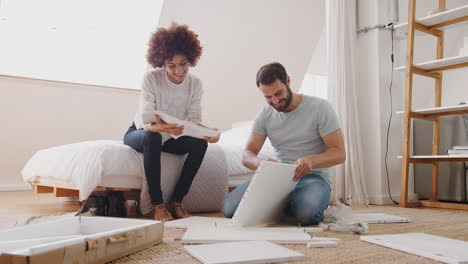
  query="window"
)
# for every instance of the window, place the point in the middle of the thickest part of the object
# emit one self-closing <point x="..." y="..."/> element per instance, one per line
<point x="98" y="42"/>
<point x="315" y="85"/>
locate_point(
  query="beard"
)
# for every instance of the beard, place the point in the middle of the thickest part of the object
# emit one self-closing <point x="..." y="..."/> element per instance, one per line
<point x="287" y="101"/>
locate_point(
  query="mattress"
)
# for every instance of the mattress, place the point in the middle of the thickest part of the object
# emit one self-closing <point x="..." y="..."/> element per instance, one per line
<point x="108" y="163"/>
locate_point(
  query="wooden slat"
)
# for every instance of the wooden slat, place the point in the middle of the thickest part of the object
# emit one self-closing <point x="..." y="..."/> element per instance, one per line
<point x="450" y="22"/>
<point x="438" y="20"/>
<point x="458" y="112"/>
<point x="435" y="75"/>
<point x="413" y="204"/>
<point x="43" y="189"/>
<point x="426" y="29"/>
<point x="61" y="192"/>
<point x="436" y="124"/>
<point x="438" y="65"/>
<point x="449" y="67"/>
<point x="436" y="204"/>
<point x="408" y="103"/>
<point x="422" y="116"/>
<point x="440" y="158"/>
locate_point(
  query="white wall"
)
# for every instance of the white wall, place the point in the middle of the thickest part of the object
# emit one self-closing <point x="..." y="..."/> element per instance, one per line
<point x="373" y="89"/>
<point x="368" y="99"/>
<point x="238" y="37"/>
<point x="40" y="114"/>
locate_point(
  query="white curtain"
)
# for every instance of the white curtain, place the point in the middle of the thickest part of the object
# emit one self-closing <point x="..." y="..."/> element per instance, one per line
<point x="349" y="182"/>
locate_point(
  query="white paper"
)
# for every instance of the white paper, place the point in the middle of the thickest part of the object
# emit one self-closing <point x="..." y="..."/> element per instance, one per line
<point x="190" y="129"/>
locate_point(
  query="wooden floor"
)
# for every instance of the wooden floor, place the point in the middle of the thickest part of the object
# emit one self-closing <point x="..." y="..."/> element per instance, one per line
<point x="19" y="205"/>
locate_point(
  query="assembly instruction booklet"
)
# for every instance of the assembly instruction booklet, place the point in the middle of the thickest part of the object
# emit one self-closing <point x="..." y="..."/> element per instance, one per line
<point x="190" y="129"/>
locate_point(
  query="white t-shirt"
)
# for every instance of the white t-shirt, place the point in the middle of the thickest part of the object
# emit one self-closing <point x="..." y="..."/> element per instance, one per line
<point x="182" y="101"/>
<point x="299" y="133"/>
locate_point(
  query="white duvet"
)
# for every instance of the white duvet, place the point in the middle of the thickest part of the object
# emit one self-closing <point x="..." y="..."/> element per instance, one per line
<point x="84" y="164"/>
<point x="108" y="163"/>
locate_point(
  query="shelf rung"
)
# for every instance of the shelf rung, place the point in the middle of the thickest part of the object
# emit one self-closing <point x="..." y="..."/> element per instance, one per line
<point x="443" y="20"/>
<point x="437" y="158"/>
<point x="430" y="113"/>
<point x="439" y="65"/>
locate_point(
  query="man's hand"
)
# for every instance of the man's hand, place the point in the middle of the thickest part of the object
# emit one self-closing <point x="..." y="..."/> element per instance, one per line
<point x="304" y="166"/>
<point x="161" y="126"/>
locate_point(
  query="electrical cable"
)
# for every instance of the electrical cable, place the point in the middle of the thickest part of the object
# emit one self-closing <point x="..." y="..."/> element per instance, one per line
<point x="391" y="25"/>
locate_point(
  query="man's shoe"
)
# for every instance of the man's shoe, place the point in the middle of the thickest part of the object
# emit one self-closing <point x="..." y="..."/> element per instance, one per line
<point x="116" y="205"/>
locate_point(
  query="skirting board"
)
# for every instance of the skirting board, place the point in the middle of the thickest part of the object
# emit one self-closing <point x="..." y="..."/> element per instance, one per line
<point x="15" y="187"/>
<point x="429" y="246"/>
<point x="385" y="199"/>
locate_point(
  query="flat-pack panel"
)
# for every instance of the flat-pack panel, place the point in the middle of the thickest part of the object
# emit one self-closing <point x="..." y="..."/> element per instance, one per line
<point x="78" y="240"/>
<point x="434" y="247"/>
<point x="252" y="252"/>
<point x="265" y="198"/>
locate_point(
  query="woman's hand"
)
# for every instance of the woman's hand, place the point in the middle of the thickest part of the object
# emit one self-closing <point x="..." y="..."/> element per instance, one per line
<point x="161" y="126"/>
<point x="212" y="139"/>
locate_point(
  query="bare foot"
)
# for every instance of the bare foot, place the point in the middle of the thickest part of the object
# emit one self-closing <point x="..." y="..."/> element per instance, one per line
<point x="178" y="210"/>
<point x="161" y="213"/>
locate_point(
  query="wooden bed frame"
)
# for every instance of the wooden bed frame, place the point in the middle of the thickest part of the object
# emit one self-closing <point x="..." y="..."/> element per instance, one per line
<point x="63" y="190"/>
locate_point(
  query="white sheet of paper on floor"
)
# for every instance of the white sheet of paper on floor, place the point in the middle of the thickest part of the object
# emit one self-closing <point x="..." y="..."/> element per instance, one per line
<point x="325" y="239"/>
<point x="264" y="200"/>
<point x="243" y="252"/>
<point x="378" y="218"/>
<point x="322" y="243"/>
<point x="434" y="247"/>
<point x="199" y="222"/>
<point x="286" y="229"/>
<point x="219" y="235"/>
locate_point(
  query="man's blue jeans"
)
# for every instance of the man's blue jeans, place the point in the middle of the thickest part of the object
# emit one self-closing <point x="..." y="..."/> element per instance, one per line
<point x="306" y="202"/>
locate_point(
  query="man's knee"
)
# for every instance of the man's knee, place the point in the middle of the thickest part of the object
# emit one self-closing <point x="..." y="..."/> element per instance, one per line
<point x="228" y="208"/>
<point x="309" y="216"/>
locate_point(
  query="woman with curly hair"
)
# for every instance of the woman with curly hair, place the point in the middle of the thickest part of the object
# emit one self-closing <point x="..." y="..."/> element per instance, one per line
<point x="172" y="90"/>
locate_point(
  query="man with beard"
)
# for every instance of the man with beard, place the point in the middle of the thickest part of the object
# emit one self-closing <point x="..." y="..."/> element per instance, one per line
<point x="304" y="130"/>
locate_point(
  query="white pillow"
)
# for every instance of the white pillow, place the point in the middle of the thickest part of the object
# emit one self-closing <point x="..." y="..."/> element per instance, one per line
<point x="238" y="137"/>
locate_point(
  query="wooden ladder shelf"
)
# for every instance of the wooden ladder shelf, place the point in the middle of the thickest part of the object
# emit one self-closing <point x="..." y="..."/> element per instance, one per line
<point x="435" y="26"/>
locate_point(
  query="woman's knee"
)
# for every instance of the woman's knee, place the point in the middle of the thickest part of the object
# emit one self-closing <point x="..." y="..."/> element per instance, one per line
<point x="152" y="139"/>
<point x="199" y="145"/>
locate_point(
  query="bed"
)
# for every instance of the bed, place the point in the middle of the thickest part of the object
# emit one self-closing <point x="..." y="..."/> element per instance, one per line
<point x="80" y="169"/>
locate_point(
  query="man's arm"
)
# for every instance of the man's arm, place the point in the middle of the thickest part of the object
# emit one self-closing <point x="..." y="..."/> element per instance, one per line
<point x="335" y="154"/>
<point x="250" y="158"/>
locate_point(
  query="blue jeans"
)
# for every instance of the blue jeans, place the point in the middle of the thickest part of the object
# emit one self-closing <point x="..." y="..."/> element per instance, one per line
<point x="306" y="202"/>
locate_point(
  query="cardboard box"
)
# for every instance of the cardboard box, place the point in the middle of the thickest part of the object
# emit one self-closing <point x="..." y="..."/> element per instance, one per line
<point x="78" y="240"/>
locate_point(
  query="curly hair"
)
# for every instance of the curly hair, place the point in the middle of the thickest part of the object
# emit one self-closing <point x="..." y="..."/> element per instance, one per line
<point x="177" y="39"/>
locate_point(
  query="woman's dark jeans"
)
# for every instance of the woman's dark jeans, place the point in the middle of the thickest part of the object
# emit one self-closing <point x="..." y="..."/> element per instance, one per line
<point x="150" y="144"/>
